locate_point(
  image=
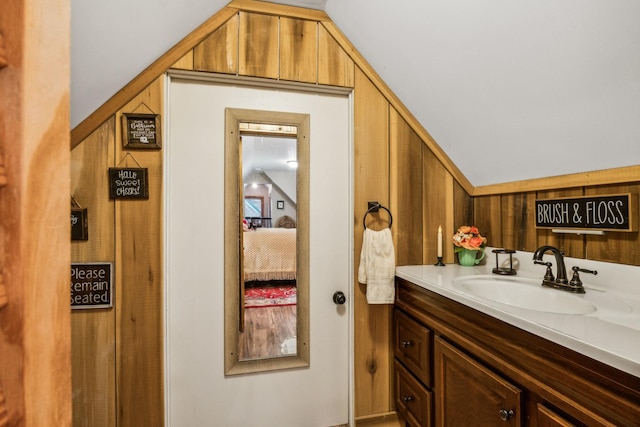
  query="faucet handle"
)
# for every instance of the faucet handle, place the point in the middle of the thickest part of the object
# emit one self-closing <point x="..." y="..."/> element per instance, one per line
<point x="576" y="284"/>
<point x="548" y="275"/>
<point x="584" y="270"/>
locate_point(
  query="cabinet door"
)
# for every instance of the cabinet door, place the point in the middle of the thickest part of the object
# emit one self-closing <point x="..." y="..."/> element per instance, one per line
<point x="412" y="346"/>
<point x="469" y="394"/>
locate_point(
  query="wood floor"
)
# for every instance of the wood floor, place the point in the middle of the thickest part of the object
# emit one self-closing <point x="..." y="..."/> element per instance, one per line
<point x="265" y="331"/>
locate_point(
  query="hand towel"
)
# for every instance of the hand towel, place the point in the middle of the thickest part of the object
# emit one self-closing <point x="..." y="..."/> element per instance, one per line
<point x="377" y="267"/>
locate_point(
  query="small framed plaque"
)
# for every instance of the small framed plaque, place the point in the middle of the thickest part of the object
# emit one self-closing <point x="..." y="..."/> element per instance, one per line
<point x="91" y="285"/>
<point x="141" y="130"/>
<point x="616" y="212"/>
<point x="128" y="183"/>
<point x="79" y="224"/>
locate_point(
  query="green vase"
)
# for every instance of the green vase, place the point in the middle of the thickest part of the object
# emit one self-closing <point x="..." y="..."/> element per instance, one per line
<point x="469" y="258"/>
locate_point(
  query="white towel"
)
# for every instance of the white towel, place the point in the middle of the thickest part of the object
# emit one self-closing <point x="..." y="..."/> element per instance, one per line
<point x="378" y="266"/>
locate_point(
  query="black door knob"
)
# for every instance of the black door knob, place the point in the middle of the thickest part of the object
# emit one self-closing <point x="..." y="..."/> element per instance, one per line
<point x="339" y="298"/>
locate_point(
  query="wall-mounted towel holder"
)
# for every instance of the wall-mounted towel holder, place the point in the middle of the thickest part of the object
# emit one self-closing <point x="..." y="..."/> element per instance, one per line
<point x="375" y="207"/>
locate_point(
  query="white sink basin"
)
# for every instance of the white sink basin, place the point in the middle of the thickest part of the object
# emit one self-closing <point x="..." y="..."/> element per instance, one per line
<point x="523" y="293"/>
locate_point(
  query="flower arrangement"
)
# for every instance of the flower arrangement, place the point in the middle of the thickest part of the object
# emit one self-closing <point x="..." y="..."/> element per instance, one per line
<point x="468" y="237"/>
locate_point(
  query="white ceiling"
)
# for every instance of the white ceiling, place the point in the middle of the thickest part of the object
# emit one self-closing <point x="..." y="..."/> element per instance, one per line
<point x="510" y="89"/>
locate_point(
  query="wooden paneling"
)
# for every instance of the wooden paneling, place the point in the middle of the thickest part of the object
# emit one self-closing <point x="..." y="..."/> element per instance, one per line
<point x="628" y="174"/>
<point x="377" y="81"/>
<point x="184" y="63"/>
<point x="334" y="65"/>
<point x="487" y="217"/>
<point x="218" y="53"/>
<point x="618" y="247"/>
<point x="258" y="41"/>
<point x="406" y="190"/>
<point x="35" y="338"/>
<point x="93" y="331"/>
<point x="372" y="326"/>
<point x="463" y="204"/>
<point x="437" y="209"/>
<point x="139" y="313"/>
<point x="298" y="50"/>
<point x="518" y="221"/>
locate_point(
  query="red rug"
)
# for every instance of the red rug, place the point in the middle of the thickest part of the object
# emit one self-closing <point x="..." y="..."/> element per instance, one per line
<point x="269" y="296"/>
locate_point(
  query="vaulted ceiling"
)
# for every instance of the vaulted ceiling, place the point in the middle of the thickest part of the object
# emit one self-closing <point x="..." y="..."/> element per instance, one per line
<point x="510" y="90"/>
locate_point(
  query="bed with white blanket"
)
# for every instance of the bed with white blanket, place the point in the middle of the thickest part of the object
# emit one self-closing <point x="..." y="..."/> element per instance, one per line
<point x="269" y="255"/>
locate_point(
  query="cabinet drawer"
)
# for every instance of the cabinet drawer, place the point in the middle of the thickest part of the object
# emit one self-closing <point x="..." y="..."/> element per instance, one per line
<point x="412" y="346"/>
<point x="413" y="400"/>
<point x="548" y="418"/>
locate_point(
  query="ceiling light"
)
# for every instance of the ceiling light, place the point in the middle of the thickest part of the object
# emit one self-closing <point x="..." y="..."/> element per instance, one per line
<point x="292" y="163"/>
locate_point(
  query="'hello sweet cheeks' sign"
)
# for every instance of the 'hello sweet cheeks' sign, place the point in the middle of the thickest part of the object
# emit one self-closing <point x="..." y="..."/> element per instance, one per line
<point x="614" y="213"/>
<point x="129" y="183"/>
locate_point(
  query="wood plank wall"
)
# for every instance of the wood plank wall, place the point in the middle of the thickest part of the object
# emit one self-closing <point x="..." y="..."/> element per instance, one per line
<point x="35" y="341"/>
<point x="118" y="374"/>
<point x="509" y="221"/>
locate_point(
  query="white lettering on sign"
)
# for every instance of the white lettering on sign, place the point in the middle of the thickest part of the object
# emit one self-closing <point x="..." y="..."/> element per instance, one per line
<point x="605" y="212"/>
<point x="90" y="285"/>
<point x="556" y="213"/>
<point x="612" y="212"/>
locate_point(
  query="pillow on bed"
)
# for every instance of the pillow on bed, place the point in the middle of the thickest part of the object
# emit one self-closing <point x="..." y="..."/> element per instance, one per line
<point x="286" y="221"/>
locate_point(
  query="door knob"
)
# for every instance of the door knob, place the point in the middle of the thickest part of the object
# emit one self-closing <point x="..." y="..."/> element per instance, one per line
<point x="339" y="298"/>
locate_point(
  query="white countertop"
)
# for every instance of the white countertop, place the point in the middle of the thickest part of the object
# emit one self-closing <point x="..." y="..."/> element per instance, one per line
<point x="610" y="335"/>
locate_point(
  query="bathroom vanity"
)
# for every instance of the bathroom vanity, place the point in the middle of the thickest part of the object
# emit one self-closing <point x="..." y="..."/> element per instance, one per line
<point x="464" y="358"/>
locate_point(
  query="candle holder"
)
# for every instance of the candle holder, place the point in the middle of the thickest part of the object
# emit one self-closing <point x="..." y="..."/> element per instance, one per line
<point x="440" y="263"/>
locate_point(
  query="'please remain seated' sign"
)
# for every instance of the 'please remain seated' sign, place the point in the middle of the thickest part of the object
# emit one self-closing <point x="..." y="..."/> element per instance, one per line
<point x="613" y="213"/>
<point x="91" y="285"/>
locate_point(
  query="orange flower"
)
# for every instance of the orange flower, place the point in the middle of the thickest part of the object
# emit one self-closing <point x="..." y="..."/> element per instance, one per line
<point x="468" y="237"/>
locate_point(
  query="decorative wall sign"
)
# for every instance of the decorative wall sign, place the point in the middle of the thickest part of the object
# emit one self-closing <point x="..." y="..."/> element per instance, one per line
<point x="91" y="285"/>
<point x="79" y="224"/>
<point x="129" y="183"/>
<point x="141" y="130"/>
<point x="617" y="212"/>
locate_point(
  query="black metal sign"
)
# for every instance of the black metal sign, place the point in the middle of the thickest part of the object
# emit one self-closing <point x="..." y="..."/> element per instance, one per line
<point x="129" y="183"/>
<point x="79" y="224"/>
<point x="615" y="212"/>
<point x="91" y="285"/>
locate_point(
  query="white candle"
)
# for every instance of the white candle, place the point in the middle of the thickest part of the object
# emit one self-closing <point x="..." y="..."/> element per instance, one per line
<point x="440" y="241"/>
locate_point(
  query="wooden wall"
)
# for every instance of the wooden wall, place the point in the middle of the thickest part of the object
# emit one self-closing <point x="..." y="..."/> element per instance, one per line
<point x="117" y="353"/>
<point x="35" y="369"/>
<point x="509" y="221"/>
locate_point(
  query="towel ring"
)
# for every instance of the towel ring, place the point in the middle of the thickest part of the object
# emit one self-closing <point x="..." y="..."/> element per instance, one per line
<point x="374" y="208"/>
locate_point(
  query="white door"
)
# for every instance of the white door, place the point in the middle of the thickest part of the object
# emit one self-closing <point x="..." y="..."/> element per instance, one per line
<point x="197" y="391"/>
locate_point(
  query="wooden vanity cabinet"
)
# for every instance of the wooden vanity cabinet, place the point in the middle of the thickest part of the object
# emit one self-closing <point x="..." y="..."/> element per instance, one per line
<point x="485" y="372"/>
